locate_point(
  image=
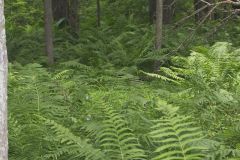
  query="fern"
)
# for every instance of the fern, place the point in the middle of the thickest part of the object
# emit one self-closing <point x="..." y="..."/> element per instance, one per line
<point x="169" y="72"/>
<point x="62" y="75"/>
<point x="164" y="78"/>
<point x="175" y="137"/>
<point x="219" y="151"/>
<point x="72" y="145"/>
<point x="74" y="64"/>
<point x="117" y="140"/>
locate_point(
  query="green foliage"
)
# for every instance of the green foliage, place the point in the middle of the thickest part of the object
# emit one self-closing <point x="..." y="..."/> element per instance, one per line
<point x="71" y="144"/>
<point x="116" y="138"/>
<point x="81" y="112"/>
<point x="101" y="101"/>
<point x="176" y="137"/>
<point x="208" y="80"/>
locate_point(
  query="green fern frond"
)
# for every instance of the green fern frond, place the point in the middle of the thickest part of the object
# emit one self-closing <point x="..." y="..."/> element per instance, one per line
<point x="74" y="64"/>
<point x="169" y="72"/>
<point x="158" y="76"/>
<point x="117" y="140"/>
<point x="62" y="75"/>
<point x="220" y="50"/>
<point x="73" y="145"/>
<point x="175" y="137"/>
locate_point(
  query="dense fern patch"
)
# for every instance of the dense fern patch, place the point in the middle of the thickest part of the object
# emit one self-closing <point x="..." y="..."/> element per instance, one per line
<point x="82" y="112"/>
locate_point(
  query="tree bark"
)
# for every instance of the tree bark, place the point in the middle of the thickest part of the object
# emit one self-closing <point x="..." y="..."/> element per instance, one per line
<point x="3" y="87"/>
<point x="159" y="31"/>
<point x="59" y="9"/>
<point x="67" y="10"/>
<point x="159" y="24"/>
<point x="168" y="11"/>
<point x="48" y="31"/>
<point x="152" y="10"/>
<point x="98" y="13"/>
<point x="73" y="18"/>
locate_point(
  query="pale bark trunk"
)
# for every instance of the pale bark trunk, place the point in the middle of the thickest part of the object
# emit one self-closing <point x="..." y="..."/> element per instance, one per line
<point x="159" y="24"/>
<point x="48" y="31"/>
<point x="3" y="87"/>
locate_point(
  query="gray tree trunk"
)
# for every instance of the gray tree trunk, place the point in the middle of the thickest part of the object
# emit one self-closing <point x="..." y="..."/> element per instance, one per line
<point x="60" y="9"/>
<point x="159" y="24"/>
<point x="152" y="10"/>
<point x="3" y="87"/>
<point x="48" y="31"/>
<point x="159" y="31"/>
<point x="68" y="10"/>
<point x="168" y="11"/>
<point x="73" y="16"/>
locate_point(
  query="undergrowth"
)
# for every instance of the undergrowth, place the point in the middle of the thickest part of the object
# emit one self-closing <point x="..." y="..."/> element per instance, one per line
<point x="188" y="111"/>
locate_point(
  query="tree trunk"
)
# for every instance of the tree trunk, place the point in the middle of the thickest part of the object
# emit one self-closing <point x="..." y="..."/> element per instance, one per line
<point x="152" y="10"/>
<point x="67" y="10"/>
<point x="168" y="11"/>
<point x="48" y="31"/>
<point x="159" y="23"/>
<point x="59" y="9"/>
<point x="3" y="87"/>
<point x="159" y="31"/>
<point x="98" y="13"/>
<point x="73" y="18"/>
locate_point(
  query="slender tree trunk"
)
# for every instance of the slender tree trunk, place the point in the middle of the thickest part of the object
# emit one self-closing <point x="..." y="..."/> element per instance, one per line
<point x="159" y="24"/>
<point x="59" y="9"/>
<point x="68" y="10"/>
<point x="73" y="18"/>
<point x="3" y="87"/>
<point x="168" y="11"/>
<point x="98" y="13"/>
<point x="152" y="10"/>
<point x="159" y="31"/>
<point x="48" y="31"/>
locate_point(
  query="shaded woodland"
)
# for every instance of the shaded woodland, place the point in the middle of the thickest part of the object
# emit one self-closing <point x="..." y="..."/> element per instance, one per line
<point x="120" y="80"/>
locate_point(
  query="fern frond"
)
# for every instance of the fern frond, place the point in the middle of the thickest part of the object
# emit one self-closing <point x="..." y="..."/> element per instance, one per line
<point x="117" y="139"/>
<point x="158" y="76"/>
<point x="169" y="72"/>
<point x="73" y="145"/>
<point x="175" y="136"/>
<point x="62" y="75"/>
<point x="74" y="64"/>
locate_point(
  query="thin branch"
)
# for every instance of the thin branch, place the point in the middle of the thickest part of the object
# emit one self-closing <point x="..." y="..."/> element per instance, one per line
<point x="193" y="14"/>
